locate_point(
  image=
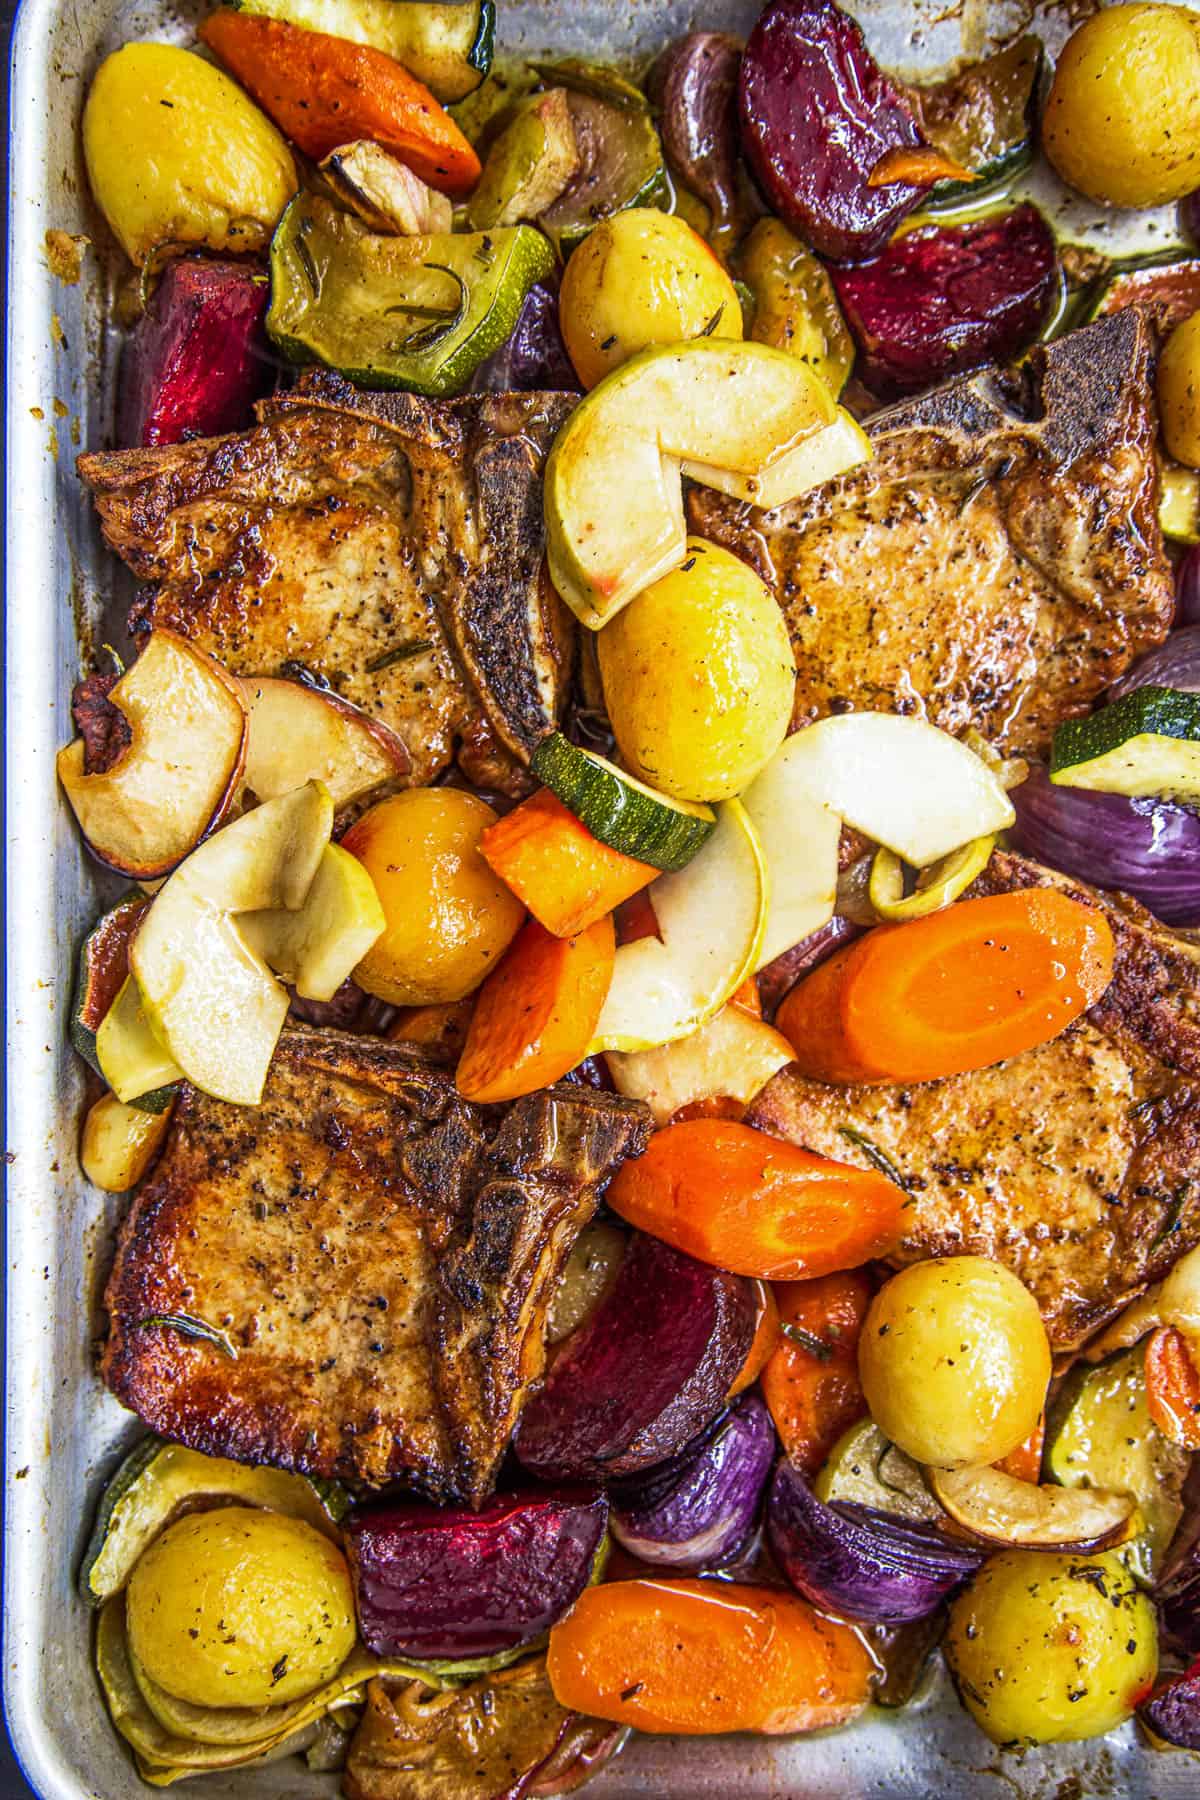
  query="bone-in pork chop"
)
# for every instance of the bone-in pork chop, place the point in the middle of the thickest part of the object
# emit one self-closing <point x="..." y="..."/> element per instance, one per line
<point x="386" y="545"/>
<point x="999" y="561"/>
<point x="369" y="1260"/>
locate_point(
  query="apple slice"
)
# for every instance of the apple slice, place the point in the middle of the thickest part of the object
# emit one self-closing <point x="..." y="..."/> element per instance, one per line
<point x="711" y="916"/>
<point x="209" y="997"/>
<point x="743" y="417"/>
<point x="180" y="773"/>
<point x="300" y="734"/>
<point x="735" y="1054"/>
<point x="799" y="837"/>
<point x="900" y="781"/>
<point x="320" y="945"/>
<point x="1000" y="1509"/>
<point x="133" y="1061"/>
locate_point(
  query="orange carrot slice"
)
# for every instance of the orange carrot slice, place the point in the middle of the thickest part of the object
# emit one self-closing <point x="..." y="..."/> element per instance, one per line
<point x="566" y="877"/>
<point x="324" y="91"/>
<point x="766" y="1340"/>
<point x="1173" y="1387"/>
<point x="748" y="998"/>
<point x="706" y="1656"/>
<point x="810" y="1383"/>
<point x="1025" y="1462"/>
<point x="535" y="1014"/>
<point x="919" y="166"/>
<point x="969" y="986"/>
<point x="754" y="1205"/>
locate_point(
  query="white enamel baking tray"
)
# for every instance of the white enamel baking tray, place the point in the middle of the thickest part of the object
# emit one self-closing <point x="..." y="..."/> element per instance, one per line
<point x="63" y="1432"/>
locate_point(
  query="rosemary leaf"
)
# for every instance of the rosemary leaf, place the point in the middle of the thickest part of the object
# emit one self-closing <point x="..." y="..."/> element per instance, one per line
<point x="401" y="653"/>
<point x="190" y="1327"/>
<point x="807" y="1340"/>
<point x="874" y="1155"/>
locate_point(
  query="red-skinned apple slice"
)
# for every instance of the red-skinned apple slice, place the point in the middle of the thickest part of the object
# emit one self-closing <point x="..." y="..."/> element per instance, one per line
<point x="179" y="775"/>
<point x="300" y="734"/>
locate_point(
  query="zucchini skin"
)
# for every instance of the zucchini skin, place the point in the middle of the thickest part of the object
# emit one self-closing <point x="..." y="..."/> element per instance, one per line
<point x="1148" y="712"/>
<point x="618" y="811"/>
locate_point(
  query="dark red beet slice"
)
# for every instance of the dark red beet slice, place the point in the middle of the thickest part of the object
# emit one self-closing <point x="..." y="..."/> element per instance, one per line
<point x="945" y="298"/>
<point x="650" y="1369"/>
<point x="199" y="357"/>
<point x="818" y="113"/>
<point x="445" y="1583"/>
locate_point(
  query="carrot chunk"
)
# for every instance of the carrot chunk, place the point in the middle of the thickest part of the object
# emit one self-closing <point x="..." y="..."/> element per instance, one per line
<point x="1173" y="1387"/>
<point x="324" y="91"/>
<point x="566" y="877"/>
<point x="810" y="1383"/>
<point x="969" y="986"/>
<point x="765" y="1340"/>
<point x="536" y="1012"/>
<point x="1025" y="1462"/>
<point x="752" y="1204"/>
<point x="706" y="1656"/>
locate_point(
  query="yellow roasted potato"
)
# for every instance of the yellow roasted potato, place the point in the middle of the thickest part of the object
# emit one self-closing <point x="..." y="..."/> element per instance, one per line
<point x="449" y="918"/>
<point x="954" y="1361"/>
<point x="699" y="677"/>
<point x="240" y="1607"/>
<point x="1179" y="392"/>
<point x="1122" y="121"/>
<point x="642" y="277"/>
<point x="1046" y="1648"/>
<point x="177" y="154"/>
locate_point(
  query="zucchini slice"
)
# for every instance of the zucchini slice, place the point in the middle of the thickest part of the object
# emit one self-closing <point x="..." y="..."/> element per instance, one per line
<point x="396" y="312"/>
<point x="103" y="967"/>
<point x="983" y="118"/>
<point x="157" y="1481"/>
<point x="1145" y="745"/>
<point x="619" y="810"/>
<point x="447" y="46"/>
<point x="864" y="1468"/>
<point x="1101" y="1435"/>
<point x="620" y="153"/>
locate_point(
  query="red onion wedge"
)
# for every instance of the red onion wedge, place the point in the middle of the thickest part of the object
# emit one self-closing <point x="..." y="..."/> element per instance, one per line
<point x="1147" y="848"/>
<point x="780" y="977"/>
<point x="860" y="1563"/>
<point x="1173" y="1711"/>
<point x="1187" y="589"/>
<point x="1175" y="663"/>
<point x="698" y="1511"/>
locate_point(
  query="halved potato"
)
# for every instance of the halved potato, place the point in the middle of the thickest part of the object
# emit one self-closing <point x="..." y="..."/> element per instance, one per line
<point x="179" y="776"/>
<point x="210" y="998"/>
<point x="318" y="946"/>
<point x="750" y="420"/>
<point x="299" y="734"/>
<point x="1003" y="1510"/>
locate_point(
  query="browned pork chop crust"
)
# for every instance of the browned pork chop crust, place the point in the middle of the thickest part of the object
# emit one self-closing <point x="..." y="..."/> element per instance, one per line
<point x="996" y="565"/>
<point x="387" y="545"/>
<point x="1076" y="1164"/>
<point x="378" y="1253"/>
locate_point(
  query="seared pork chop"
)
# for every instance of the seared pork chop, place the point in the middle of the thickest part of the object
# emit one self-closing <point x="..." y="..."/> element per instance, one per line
<point x="386" y="545"/>
<point x="1077" y="1164"/>
<point x="996" y="565"/>
<point x="377" y="1253"/>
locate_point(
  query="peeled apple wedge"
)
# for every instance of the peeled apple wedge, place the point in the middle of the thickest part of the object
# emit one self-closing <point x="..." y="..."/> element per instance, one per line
<point x="739" y="416"/>
<point x="119" y="1143"/>
<point x="711" y="916"/>
<point x="180" y="773"/>
<point x="318" y="946"/>
<point x="734" y="1055"/>
<point x="900" y="781"/>
<point x="209" y="997"/>
<point x="799" y="837"/>
<point x="298" y="734"/>
<point x="133" y="1060"/>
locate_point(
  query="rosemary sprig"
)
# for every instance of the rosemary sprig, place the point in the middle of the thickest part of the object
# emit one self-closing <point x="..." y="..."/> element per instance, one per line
<point x="189" y="1327"/>
<point x="807" y="1340"/>
<point x="714" y="321"/>
<point x="444" y="321"/>
<point x="874" y="1155"/>
<point x="401" y="653"/>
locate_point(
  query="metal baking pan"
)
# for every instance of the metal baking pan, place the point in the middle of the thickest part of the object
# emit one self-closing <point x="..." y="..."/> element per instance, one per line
<point x="64" y="1433"/>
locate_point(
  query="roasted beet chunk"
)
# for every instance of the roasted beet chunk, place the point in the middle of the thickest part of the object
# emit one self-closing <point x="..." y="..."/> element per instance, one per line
<point x="646" y="1374"/>
<point x="818" y="114"/>
<point x="199" y="357"/>
<point x="947" y="297"/>
<point x="447" y="1583"/>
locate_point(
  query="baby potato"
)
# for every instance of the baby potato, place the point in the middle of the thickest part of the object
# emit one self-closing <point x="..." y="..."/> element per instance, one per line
<point x="177" y="154"/>
<point x="1047" y="1648"/>
<point x="1179" y="392"/>
<point x="239" y="1607"/>
<point x="699" y="677"/>
<point x="642" y="277"/>
<point x="449" y="918"/>
<point x="954" y="1361"/>
<point x="1122" y="121"/>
